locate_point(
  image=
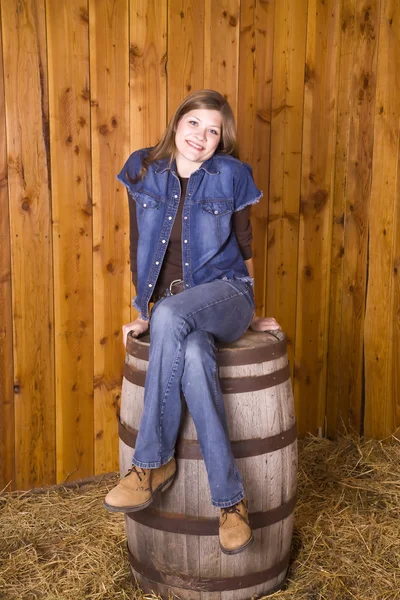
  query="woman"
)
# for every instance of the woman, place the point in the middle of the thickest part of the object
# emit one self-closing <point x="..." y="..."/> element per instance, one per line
<point x="189" y="200"/>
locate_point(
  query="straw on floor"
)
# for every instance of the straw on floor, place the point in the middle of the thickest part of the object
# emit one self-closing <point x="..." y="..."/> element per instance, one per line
<point x="61" y="544"/>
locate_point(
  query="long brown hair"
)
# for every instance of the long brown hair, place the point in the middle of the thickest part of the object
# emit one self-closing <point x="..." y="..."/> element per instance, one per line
<point x="209" y="99"/>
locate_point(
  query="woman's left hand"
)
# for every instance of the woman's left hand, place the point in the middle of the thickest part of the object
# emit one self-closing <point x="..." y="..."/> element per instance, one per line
<point x="264" y="324"/>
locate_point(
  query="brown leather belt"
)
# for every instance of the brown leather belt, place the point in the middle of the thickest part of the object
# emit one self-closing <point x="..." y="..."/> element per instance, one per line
<point x="175" y="287"/>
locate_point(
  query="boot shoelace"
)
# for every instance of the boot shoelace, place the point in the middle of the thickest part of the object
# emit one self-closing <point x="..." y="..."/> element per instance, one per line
<point x="134" y="469"/>
<point x="233" y="510"/>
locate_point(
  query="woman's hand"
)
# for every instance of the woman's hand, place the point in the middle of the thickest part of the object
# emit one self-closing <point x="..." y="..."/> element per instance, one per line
<point x="136" y="327"/>
<point x="264" y="324"/>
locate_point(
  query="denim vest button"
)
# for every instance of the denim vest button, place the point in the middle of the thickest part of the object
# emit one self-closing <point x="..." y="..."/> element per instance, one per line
<point x="169" y="218"/>
<point x="186" y="264"/>
<point x="164" y="242"/>
<point x="215" y="212"/>
<point x="150" y="285"/>
<point x="176" y="195"/>
<point x="185" y="218"/>
<point x="157" y="263"/>
<point x="185" y="241"/>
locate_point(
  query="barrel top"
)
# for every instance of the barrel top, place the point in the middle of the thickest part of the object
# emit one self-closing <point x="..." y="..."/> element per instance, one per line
<point x="252" y="347"/>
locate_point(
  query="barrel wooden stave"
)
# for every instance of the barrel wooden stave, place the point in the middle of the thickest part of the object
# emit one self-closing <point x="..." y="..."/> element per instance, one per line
<point x="257" y="414"/>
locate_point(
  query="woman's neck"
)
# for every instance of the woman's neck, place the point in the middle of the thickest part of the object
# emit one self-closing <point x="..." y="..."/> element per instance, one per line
<point x="185" y="168"/>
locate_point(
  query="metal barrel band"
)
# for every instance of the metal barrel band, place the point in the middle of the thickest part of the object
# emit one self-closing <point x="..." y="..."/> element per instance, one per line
<point x="202" y="526"/>
<point x="229" y="385"/>
<point x="226" y="356"/>
<point x="190" y="449"/>
<point x="209" y="584"/>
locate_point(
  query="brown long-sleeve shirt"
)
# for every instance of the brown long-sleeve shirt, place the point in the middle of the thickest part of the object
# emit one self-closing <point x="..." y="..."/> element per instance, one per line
<point x="171" y="268"/>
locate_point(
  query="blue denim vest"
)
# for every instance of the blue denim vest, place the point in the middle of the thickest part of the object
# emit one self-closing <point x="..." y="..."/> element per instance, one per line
<point x="221" y="186"/>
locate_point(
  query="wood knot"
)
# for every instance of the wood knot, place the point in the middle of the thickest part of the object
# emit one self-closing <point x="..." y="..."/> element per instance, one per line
<point x="25" y="204"/>
<point x="320" y="199"/>
<point x="308" y="272"/>
<point x="103" y="129"/>
<point x="134" y="51"/>
<point x="309" y="74"/>
<point x="84" y="15"/>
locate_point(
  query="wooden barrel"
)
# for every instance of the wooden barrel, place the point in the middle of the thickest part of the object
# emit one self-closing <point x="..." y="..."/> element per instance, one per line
<point x="173" y="545"/>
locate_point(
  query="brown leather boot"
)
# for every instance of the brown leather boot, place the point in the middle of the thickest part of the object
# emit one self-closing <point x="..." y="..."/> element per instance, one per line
<point x="235" y="533"/>
<point x="136" y="490"/>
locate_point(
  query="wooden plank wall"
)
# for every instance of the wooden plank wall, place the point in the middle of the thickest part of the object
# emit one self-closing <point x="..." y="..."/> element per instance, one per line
<point x="315" y="88"/>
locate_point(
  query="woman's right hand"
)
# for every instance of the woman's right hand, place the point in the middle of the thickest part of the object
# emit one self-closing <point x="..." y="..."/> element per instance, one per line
<point x="136" y="327"/>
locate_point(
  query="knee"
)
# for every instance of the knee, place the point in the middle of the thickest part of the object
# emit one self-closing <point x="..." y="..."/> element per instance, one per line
<point x="165" y="319"/>
<point x="200" y="349"/>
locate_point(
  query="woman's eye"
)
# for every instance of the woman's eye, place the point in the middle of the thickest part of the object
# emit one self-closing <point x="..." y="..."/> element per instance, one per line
<point x="193" y="122"/>
<point x="213" y="132"/>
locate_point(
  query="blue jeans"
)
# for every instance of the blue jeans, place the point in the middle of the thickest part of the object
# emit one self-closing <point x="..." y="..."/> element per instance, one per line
<point x="183" y="330"/>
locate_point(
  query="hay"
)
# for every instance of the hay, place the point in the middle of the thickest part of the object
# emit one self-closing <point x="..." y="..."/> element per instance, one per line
<point x="61" y="544"/>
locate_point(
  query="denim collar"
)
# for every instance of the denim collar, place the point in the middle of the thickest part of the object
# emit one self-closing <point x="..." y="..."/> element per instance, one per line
<point x="210" y="166"/>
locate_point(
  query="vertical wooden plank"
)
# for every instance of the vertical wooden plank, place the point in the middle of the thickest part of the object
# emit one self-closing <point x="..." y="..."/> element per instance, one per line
<point x="25" y="70"/>
<point x="286" y="141"/>
<point x="221" y="48"/>
<point x="67" y="33"/>
<point x="185" y="50"/>
<point x="7" y="450"/>
<point x="380" y="321"/>
<point x="148" y="76"/>
<point x="355" y="140"/>
<point x="109" y="82"/>
<point x="148" y="83"/>
<point x="394" y="336"/>
<point x="315" y="232"/>
<point x="254" y="123"/>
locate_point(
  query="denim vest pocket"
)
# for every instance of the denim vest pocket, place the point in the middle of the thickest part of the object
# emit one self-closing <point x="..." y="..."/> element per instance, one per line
<point x="218" y="207"/>
<point x="146" y="200"/>
<point x="215" y="223"/>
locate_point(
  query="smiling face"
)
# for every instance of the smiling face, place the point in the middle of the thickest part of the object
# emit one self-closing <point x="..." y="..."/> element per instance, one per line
<point x="197" y="137"/>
